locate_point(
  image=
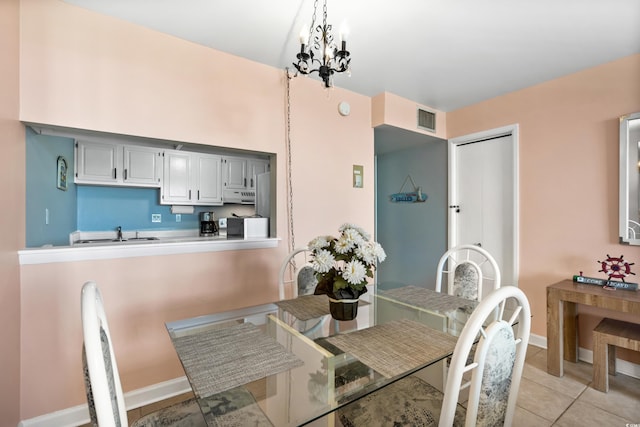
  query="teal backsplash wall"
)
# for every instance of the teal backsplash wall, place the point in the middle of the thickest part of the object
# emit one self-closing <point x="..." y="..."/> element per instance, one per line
<point x="43" y="196"/>
<point x="105" y="208"/>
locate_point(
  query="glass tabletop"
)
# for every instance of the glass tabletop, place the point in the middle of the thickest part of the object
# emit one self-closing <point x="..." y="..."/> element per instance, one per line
<point x="291" y="363"/>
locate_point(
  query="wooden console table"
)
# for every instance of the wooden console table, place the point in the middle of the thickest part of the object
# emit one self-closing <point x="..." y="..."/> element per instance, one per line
<point x="562" y="297"/>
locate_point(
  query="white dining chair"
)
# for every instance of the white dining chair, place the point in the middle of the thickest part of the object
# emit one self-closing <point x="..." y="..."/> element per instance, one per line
<point x="493" y="384"/>
<point x="102" y="379"/>
<point x="297" y="273"/>
<point x="465" y="270"/>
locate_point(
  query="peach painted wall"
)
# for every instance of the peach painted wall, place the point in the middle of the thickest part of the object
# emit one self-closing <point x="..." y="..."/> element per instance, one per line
<point x="568" y="175"/>
<point x="80" y="69"/>
<point x="12" y="219"/>
<point x="390" y="109"/>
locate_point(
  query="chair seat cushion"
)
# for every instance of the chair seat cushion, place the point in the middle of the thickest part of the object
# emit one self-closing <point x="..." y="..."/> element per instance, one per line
<point x="408" y="402"/>
<point x="183" y="414"/>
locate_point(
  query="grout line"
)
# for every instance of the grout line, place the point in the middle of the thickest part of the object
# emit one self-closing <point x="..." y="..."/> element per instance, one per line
<point x="567" y="408"/>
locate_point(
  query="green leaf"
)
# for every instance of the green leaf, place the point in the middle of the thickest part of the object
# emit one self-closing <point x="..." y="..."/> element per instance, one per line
<point x="339" y="283"/>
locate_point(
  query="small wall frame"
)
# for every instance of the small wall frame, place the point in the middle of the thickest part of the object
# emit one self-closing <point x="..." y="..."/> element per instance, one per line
<point x="61" y="174"/>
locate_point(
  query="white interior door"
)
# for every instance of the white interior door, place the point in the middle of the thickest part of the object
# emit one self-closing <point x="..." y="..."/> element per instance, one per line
<point x="483" y="195"/>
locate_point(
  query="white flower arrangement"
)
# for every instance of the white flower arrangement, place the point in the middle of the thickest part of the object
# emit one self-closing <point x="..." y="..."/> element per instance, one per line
<point x="344" y="264"/>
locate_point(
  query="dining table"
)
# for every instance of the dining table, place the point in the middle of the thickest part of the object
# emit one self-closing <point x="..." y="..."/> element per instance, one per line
<point x="289" y="363"/>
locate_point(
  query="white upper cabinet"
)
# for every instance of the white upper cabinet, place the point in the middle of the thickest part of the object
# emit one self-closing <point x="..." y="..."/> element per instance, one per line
<point x="97" y="163"/>
<point x="106" y="163"/>
<point x="176" y="185"/>
<point x="191" y="179"/>
<point x="208" y="170"/>
<point x="142" y="166"/>
<point x="235" y="173"/>
<point x="239" y="173"/>
<point x="255" y="167"/>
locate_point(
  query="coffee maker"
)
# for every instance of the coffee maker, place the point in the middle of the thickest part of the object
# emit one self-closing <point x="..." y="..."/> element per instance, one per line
<point x="208" y="224"/>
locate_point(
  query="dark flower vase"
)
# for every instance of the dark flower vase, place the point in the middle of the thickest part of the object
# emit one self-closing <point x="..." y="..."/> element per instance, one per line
<point x="345" y="309"/>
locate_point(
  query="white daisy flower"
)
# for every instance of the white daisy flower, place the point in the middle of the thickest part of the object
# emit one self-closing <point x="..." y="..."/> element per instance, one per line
<point x="367" y="252"/>
<point x="354" y="272"/>
<point x="323" y="261"/>
<point x="380" y="253"/>
<point x="319" y="242"/>
<point x="343" y="245"/>
<point x="352" y="235"/>
<point x="360" y="230"/>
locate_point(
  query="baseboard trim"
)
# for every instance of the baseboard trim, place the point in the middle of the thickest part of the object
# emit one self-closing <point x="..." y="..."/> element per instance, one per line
<point x="79" y="415"/>
<point x="622" y="366"/>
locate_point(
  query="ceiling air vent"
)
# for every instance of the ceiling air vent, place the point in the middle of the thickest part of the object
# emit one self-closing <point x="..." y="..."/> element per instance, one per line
<point x="426" y="120"/>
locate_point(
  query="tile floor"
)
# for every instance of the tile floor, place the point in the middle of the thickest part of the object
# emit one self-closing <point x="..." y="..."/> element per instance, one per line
<point x="546" y="400"/>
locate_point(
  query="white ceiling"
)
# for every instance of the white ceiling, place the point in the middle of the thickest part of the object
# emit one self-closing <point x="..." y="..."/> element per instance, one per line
<point x="445" y="54"/>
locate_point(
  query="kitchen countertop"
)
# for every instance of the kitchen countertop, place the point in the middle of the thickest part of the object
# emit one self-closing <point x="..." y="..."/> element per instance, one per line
<point x="168" y="243"/>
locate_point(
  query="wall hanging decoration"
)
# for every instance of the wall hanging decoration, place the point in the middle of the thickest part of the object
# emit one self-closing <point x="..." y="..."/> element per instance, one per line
<point x="61" y="174"/>
<point x="415" y="196"/>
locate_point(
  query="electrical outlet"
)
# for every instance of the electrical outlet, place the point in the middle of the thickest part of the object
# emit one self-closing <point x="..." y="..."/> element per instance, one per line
<point x="178" y="218"/>
<point x="222" y="223"/>
<point x="156" y="218"/>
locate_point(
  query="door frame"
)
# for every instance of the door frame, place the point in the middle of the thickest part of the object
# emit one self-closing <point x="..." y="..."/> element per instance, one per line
<point x="453" y="144"/>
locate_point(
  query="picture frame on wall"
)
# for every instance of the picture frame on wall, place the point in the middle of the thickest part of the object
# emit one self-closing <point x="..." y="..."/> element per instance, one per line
<point x="61" y="175"/>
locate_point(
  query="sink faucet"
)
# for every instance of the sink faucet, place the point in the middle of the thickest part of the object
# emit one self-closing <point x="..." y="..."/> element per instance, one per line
<point x="119" y="230"/>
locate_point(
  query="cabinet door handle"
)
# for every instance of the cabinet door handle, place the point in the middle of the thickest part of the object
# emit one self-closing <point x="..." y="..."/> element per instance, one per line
<point x="245" y="182"/>
<point x="251" y="182"/>
<point x="189" y="194"/>
<point x="198" y="194"/>
<point x="115" y="173"/>
<point x="125" y="174"/>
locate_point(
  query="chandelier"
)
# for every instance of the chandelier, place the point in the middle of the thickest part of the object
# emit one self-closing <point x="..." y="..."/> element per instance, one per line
<point x="317" y="49"/>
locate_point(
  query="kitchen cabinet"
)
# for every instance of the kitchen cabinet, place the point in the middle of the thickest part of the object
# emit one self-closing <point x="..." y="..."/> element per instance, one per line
<point x="235" y="173"/>
<point x="208" y="173"/>
<point x="96" y="163"/>
<point x="191" y="179"/>
<point x="239" y="178"/>
<point x="142" y="166"/>
<point x="255" y="167"/>
<point x="239" y="173"/>
<point x="111" y="163"/>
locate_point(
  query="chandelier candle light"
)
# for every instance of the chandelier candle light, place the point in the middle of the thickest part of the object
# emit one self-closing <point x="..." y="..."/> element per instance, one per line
<point x="333" y="60"/>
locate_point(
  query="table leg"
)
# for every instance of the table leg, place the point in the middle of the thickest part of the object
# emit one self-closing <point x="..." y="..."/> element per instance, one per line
<point x="554" y="335"/>
<point x="570" y="331"/>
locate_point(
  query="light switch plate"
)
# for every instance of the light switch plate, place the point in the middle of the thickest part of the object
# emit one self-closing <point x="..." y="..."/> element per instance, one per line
<point x="358" y="176"/>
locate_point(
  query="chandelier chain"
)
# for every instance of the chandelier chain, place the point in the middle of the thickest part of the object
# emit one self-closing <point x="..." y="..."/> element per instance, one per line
<point x="313" y="20"/>
<point x="292" y="239"/>
<point x="324" y="13"/>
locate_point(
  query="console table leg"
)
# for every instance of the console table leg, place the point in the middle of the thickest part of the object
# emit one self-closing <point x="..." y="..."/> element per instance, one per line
<point x="554" y="334"/>
<point x="570" y="331"/>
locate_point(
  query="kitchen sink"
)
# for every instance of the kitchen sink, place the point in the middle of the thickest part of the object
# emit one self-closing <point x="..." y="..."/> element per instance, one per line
<point x="133" y="239"/>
